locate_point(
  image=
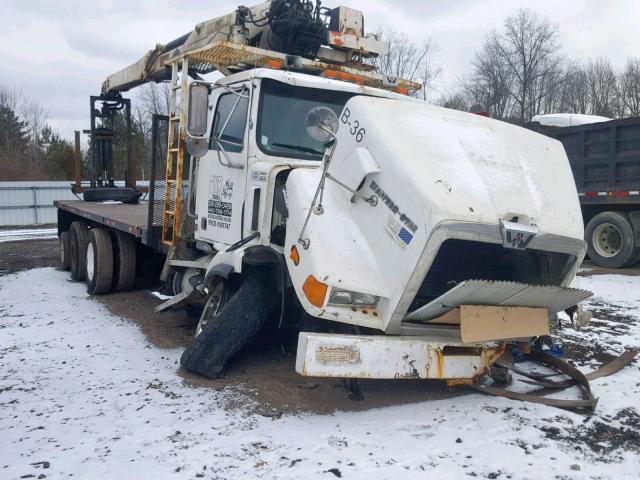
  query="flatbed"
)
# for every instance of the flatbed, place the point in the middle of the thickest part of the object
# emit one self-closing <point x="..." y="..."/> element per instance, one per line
<point x="129" y="218"/>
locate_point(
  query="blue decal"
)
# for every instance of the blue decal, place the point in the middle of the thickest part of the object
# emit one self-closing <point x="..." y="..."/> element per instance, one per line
<point x="405" y="236"/>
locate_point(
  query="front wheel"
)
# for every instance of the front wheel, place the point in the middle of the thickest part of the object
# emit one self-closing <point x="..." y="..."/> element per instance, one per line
<point x="226" y="327"/>
<point x="610" y="242"/>
<point x="215" y="303"/>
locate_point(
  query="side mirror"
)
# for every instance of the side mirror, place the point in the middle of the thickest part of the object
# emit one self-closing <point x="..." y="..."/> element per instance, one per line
<point x="198" y="109"/>
<point x="321" y="124"/>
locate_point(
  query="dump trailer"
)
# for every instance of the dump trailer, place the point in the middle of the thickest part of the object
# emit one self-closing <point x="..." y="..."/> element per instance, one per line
<point x="604" y="155"/>
<point x="401" y="240"/>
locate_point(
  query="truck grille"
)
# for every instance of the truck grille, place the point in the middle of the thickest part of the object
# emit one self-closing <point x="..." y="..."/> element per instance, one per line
<point x="460" y="260"/>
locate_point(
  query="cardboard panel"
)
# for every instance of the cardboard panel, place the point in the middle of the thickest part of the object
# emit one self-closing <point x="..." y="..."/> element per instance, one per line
<point x="482" y="323"/>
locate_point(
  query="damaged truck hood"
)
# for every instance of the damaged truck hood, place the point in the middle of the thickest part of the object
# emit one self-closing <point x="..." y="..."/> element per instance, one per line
<point x="423" y="175"/>
<point x="463" y="166"/>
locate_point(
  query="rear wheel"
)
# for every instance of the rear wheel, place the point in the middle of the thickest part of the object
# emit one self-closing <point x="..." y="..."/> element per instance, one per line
<point x="226" y="328"/>
<point x="99" y="260"/>
<point x="79" y="238"/>
<point x="610" y="241"/>
<point x="65" y="250"/>
<point x="124" y="265"/>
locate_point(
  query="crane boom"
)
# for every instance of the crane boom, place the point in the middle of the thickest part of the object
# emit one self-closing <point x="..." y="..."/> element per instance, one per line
<point x="277" y="28"/>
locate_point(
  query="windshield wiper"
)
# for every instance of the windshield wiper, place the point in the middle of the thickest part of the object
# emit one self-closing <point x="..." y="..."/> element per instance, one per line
<point x="299" y="148"/>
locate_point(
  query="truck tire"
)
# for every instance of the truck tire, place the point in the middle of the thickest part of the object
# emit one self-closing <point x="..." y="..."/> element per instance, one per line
<point x="79" y="232"/>
<point x="119" y="194"/>
<point x="99" y="262"/>
<point x="235" y="323"/>
<point x="609" y="238"/>
<point x="65" y="250"/>
<point x="635" y="258"/>
<point x="124" y="261"/>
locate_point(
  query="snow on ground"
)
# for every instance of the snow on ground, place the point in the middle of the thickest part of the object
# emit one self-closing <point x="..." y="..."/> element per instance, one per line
<point x="28" y="234"/>
<point x="84" y="395"/>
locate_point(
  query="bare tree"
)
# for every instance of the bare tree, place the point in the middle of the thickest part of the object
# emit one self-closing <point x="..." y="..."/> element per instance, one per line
<point x="575" y="90"/>
<point x="601" y="80"/>
<point x="36" y="118"/>
<point x="455" y="99"/>
<point x="410" y="61"/>
<point x="151" y="99"/>
<point x="430" y="70"/>
<point x="488" y="86"/>
<point x="629" y="87"/>
<point x="528" y="48"/>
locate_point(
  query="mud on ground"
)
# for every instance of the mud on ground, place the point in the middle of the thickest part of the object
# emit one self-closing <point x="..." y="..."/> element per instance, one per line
<point x="26" y="254"/>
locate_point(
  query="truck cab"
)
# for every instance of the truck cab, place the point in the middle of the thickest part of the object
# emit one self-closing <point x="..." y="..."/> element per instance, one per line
<point x="258" y="119"/>
<point x="380" y="225"/>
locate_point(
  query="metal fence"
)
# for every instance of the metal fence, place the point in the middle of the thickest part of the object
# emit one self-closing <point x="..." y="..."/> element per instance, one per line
<point x="31" y="203"/>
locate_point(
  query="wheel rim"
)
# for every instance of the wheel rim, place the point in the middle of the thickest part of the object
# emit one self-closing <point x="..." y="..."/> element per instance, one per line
<point x="90" y="259"/>
<point x="607" y="240"/>
<point x="214" y="303"/>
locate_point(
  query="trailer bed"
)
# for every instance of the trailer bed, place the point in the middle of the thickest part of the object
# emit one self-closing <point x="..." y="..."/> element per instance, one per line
<point x="129" y="218"/>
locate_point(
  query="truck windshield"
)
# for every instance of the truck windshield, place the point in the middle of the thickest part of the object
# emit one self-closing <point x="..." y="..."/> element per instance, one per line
<point x="283" y="108"/>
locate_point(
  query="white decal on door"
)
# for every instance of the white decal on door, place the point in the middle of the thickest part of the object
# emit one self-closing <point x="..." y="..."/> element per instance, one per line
<point x="219" y="211"/>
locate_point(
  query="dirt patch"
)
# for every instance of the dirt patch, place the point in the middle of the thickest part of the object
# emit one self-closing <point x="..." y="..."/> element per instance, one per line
<point x="589" y="268"/>
<point x="265" y="369"/>
<point x="602" y="437"/>
<point x="26" y="254"/>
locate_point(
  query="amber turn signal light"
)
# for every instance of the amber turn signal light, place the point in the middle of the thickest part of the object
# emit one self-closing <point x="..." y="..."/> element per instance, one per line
<point x="315" y="291"/>
<point x="277" y="64"/>
<point x="294" y="256"/>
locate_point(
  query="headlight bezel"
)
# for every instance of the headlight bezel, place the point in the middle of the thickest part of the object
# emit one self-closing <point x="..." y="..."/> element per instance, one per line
<point x="351" y="299"/>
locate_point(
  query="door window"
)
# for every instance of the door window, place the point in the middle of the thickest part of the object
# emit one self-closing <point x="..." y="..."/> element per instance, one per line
<point x="230" y="122"/>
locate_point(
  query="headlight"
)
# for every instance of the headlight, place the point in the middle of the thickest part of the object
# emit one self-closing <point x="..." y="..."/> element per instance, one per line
<point x="346" y="298"/>
<point x="365" y="300"/>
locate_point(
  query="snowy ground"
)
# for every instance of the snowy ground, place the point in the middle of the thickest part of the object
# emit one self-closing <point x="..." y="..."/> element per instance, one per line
<point x="27" y="234"/>
<point x="83" y="394"/>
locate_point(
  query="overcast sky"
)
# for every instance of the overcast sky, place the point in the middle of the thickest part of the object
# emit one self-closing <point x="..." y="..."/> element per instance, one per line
<point x="59" y="52"/>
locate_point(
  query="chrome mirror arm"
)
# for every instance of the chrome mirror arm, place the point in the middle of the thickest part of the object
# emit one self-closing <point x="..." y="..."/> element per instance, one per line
<point x="318" y="210"/>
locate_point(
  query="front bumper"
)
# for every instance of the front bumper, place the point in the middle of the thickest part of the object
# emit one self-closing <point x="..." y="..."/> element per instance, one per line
<point x="393" y="357"/>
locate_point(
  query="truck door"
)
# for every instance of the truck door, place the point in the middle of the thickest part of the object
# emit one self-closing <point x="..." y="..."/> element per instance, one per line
<point x="221" y="182"/>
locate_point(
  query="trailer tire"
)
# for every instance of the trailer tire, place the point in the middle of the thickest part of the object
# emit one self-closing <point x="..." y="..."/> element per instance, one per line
<point x="237" y="322"/>
<point x="65" y="250"/>
<point x="99" y="262"/>
<point x="119" y="194"/>
<point x="124" y="261"/>
<point x="79" y="239"/>
<point x="635" y="258"/>
<point x="610" y="242"/>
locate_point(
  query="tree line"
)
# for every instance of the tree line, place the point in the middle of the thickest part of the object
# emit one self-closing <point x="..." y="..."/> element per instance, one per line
<point x="29" y="147"/>
<point x="519" y="72"/>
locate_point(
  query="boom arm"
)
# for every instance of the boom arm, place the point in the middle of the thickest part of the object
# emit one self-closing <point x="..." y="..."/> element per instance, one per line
<point x="286" y="26"/>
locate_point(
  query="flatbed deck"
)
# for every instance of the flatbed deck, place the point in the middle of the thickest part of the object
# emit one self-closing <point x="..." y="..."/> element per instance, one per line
<point x="129" y="218"/>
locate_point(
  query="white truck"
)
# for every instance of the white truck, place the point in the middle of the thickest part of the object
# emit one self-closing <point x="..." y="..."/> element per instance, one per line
<point x="403" y="240"/>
